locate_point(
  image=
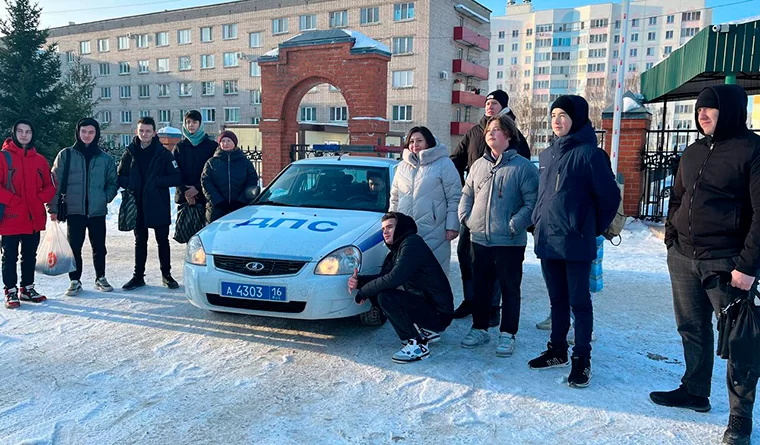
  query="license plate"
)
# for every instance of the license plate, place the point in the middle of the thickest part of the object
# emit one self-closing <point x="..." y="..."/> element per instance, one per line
<point x="254" y="291"/>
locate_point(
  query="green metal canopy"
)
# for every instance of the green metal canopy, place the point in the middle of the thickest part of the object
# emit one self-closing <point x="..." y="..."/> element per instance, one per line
<point x="713" y="54"/>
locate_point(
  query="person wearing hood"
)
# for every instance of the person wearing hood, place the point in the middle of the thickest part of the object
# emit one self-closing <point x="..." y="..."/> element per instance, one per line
<point x="411" y="289"/>
<point x="578" y="197"/>
<point x="26" y="188"/>
<point x="427" y="188"/>
<point x="91" y="183"/>
<point x="148" y="169"/>
<point x="470" y="149"/>
<point x="713" y="230"/>
<point x="497" y="202"/>
<point x="191" y="154"/>
<point x="228" y="178"/>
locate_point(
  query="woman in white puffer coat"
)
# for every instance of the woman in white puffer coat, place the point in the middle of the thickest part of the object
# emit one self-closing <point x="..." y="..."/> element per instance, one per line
<point x="427" y="188"/>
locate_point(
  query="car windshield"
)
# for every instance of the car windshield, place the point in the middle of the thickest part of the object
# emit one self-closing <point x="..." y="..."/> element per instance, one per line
<point x="330" y="187"/>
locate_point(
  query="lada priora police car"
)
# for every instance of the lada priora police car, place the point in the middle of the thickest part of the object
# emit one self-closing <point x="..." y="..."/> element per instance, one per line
<point x="291" y="252"/>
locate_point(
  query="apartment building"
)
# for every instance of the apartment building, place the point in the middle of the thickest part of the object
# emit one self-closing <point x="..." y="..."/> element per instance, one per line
<point x="537" y="55"/>
<point x="205" y="58"/>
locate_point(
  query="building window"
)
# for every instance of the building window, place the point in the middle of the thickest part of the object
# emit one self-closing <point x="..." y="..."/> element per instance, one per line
<point x="162" y="65"/>
<point x="671" y="19"/>
<point x="207" y="61"/>
<point x="122" y="43"/>
<point x="207" y="88"/>
<point x="280" y="26"/>
<point x="125" y="92"/>
<point x="402" y="113"/>
<point x="126" y="118"/>
<point x="254" y="40"/>
<point x="597" y="38"/>
<point x="103" y="46"/>
<point x="527" y="59"/>
<point x="515" y="47"/>
<point x="634" y="23"/>
<point x="651" y="36"/>
<point x="635" y="37"/>
<point x="307" y="22"/>
<point x="338" y="114"/>
<point x="338" y="19"/>
<point x="230" y="60"/>
<point x="164" y="116"/>
<point x="208" y="114"/>
<point x="142" y="40"/>
<point x="255" y="120"/>
<point x="230" y="31"/>
<point x="652" y="21"/>
<point x="500" y="61"/>
<point x="185" y="89"/>
<point x="163" y="90"/>
<point x="123" y="68"/>
<point x="184" y="36"/>
<point x="526" y="73"/>
<point x="255" y="69"/>
<point x="230" y="87"/>
<point x="515" y="33"/>
<point x="403" y="11"/>
<point x="691" y="16"/>
<point x="499" y="74"/>
<point x="616" y="39"/>
<point x="403" y="45"/>
<point x="126" y="139"/>
<point x="370" y="16"/>
<point x="105" y="93"/>
<point x="104" y="69"/>
<point x="668" y="50"/>
<point x="308" y="114"/>
<point x="185" y="63"/>
<point x="500" y="48"/>
<point x="631" y="67"/>
<point x="615" y="54"/>
<point x="70" y="56"/>
<point x="529" y="46"/>
<point x="207" y="34"/>
<point x="689" y="32"/>
<point x="255" y="97"/>
<point x="649" y="65"/>
<point x="634" y="52"/>
<point x="84" y="47"/>
<point x="232" y="115"/>
<point x="502" y="34"/>
<point x="105" y="117"/>
<point x="403" y="79"/>
<point x="668" y="35"/>
<point x="600" y="23"/>
<point x="162" y="38"/>
<point x="650" y="51"/>
<point x="143" y="66"/>
<point x="143" y="91"/>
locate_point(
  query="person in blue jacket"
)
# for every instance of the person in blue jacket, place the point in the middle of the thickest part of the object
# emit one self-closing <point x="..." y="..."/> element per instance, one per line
<point x="578" y="198"/>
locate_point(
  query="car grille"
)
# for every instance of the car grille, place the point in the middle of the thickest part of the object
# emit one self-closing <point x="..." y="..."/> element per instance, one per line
<point x="271" y="267"/>
<point x="291" y="307"/>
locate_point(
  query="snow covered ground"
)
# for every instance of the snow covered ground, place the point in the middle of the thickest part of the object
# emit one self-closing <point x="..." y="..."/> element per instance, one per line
<point x="146" y="367"/>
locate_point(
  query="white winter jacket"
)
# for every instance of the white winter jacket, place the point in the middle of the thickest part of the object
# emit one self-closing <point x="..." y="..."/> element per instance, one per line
<point x="427" y="188"/>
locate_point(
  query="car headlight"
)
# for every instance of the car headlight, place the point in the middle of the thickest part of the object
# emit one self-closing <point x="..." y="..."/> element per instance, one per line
<point x="195" y="253"/>
<point x="341" y="261"/>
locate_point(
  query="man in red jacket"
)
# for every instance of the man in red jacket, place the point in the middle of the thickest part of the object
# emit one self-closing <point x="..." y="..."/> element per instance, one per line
<point x="25" y="188"/>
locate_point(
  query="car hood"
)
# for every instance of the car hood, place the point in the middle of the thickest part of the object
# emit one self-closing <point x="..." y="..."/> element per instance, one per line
<point x="263" y="231"/>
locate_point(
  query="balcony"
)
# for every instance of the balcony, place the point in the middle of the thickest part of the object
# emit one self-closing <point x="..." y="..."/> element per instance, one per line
<point x="468" y="37"/>
<point x="470" y="69"/>
<point x="460" y="128"/>
<point x="468" y="98"/>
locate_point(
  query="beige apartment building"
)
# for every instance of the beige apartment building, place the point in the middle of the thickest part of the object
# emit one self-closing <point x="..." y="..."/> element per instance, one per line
<point x="204" y="58"/>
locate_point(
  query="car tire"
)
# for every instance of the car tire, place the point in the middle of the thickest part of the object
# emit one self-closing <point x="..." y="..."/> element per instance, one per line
<point x="373" y="317"/>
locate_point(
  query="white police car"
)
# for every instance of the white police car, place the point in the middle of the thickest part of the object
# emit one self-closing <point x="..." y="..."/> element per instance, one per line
<point x="291" y="252"/>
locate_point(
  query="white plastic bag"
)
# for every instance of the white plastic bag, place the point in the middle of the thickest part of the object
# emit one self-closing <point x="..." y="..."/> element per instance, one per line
<point x="54" y="255"/>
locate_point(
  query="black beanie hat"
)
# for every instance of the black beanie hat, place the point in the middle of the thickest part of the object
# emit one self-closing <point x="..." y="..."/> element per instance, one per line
<point x="228" y="134"/>
<point x="576" y="108"/>
<point x="86" y="122"/>
<point x="707" y="99"/>
<point x="13" y="132"/>
<point x="501" y="96"/>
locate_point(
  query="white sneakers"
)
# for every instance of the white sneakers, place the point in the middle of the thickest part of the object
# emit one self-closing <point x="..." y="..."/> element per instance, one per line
<point x="506" y="346"/>
<point x="411" y="352"/>
<point x="103" y="285"/>
<point x="74" y="288"/>
<point x="475" y="338"/>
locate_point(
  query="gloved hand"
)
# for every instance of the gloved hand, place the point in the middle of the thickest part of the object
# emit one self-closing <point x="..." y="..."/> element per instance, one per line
<point x="360" y="298"/>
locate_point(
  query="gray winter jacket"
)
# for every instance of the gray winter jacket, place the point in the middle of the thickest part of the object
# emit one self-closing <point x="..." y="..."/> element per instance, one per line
<point x="498" y="199"/>
<point x="101" y="181"/>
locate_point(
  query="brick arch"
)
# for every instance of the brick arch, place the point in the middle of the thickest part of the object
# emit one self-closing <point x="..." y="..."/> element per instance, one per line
<point x="362" y="77"/>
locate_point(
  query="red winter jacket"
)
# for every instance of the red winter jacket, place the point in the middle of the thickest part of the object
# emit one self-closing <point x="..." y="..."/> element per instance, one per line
<point x="25" y="209"/>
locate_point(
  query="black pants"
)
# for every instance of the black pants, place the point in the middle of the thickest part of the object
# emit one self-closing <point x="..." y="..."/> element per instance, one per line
<point x="141" y="250"/>
<point x="694" y="307"/>
<point x="464" y="254"/>
<point x="95" y="227"/>
<point x="567" y="282"/>
<point x="503" y="265"/>
<point x="29" y="244"/>
<point x="405" y="309"/>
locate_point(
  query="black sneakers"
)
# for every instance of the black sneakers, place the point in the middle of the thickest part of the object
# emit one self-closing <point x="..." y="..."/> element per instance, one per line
<point x="134" y="283"/>
<point x="463" y="310"/>
<point x="551" y="358"/>
<point x="169" y="282"/>
<point x="680" y="398"/>
<point x="738" y="431"/>
<point x="580" y="374"/>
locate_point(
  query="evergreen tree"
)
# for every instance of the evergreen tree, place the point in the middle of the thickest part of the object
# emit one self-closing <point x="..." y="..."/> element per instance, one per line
<point x="77" y="100"/>
<point x="30" y="75"/>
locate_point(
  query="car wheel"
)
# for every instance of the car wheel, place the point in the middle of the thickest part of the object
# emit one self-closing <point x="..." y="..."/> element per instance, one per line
<point x="373" y="317"/>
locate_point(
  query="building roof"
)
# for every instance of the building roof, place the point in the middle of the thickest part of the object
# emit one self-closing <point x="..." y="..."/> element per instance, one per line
<point x="704" y="61"/>
<point x="361" y="43"/>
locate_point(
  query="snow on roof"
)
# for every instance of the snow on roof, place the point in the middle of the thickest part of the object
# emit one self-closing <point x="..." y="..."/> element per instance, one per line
<point x="742" y="21"/>
<point x="472" y="14"/>
<point x="369" y="118"/>
<point x="169" y="130"/>
<point x="629" y="104"/>
<point x="364" y="42"/>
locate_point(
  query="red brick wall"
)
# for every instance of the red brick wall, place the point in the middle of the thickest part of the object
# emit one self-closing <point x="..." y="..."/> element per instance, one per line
<point x="361" y="78"/>
<point x="632" y="143"/>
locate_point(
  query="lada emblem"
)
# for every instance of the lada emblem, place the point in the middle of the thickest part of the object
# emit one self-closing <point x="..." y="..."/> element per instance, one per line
<point x="254" y="266"/>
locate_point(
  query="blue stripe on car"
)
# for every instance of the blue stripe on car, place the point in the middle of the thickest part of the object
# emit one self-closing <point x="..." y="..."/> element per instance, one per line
<point x="372" y="241"/>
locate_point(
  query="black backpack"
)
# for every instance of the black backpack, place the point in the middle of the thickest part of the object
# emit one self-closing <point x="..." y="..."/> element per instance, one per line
<point x="8" y="179"/>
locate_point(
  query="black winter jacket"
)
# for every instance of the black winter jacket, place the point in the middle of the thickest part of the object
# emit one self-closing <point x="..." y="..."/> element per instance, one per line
<point x="152" y="191"/>
<point x="473" y="145"/>
<point x="714" y="209"/>
<point x="578" y="197"/>
<point x="191" y="160"/>
<point x="410" y="263"/>
<point x="228" y="180"/>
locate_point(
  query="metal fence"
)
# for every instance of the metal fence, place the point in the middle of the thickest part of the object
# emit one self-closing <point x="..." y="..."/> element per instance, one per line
<point x="253" y="155"/>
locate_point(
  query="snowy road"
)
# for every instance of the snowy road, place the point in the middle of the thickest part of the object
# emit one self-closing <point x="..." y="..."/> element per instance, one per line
<point x="147" y="367"/>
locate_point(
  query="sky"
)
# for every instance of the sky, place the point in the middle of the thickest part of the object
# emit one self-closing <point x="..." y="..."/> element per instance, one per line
<point x="61" y="12"/>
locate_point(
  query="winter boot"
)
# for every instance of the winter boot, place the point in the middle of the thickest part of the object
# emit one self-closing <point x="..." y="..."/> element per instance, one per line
<point x="551" y="358"/>
<point x="413" y="351"/>
<point x="11" y="298"/>
<point x="580" y="373"/>
<point x="169" y="282"/>
<point x="134" y="283"/>
<point x="75" y="287"/>
<point x="739" y="430"/>
<point x="27" y="293"/>
<point x="680" y="398"/>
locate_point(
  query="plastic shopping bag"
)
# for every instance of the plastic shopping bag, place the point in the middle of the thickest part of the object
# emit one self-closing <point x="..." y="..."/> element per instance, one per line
<point x="54" y="255"/>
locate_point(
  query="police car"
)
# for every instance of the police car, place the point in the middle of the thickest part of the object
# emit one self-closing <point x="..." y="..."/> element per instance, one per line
<point x="291" y="252"/>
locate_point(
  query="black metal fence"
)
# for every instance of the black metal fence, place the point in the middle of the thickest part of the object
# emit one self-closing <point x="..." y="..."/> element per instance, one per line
<point x="252" y="153"/>
<point x="600" y="135"/>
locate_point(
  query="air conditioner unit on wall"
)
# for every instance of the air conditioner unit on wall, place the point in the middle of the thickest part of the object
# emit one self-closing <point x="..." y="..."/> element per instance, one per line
<point x="443" y="75"/>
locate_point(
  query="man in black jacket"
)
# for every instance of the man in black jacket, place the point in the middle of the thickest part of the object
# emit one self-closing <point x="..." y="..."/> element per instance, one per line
<point x="421" y="311"/>
<point x="148" y="169"/>
<point x="191" y="154"/>
<point x="713" y="230"/>
<point x="470" y="149"/>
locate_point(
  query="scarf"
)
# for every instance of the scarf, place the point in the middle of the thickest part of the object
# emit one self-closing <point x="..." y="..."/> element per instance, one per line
<point x="196" y="138"/>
